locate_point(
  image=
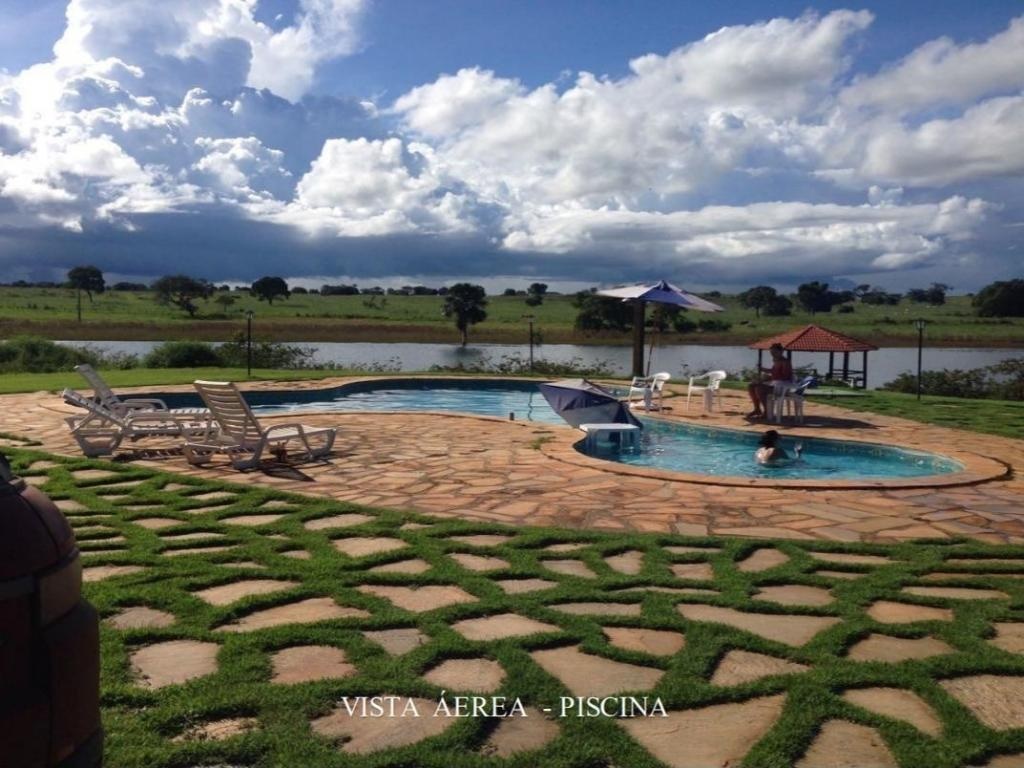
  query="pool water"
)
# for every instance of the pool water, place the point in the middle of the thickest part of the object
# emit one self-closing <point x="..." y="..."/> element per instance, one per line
<point x="714" y="451"/>
<point x="484" y="397"/>
<point x="663" y="445"/>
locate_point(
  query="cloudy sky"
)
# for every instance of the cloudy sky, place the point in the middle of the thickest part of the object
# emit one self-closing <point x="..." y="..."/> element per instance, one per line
<point x="715" y="144"/>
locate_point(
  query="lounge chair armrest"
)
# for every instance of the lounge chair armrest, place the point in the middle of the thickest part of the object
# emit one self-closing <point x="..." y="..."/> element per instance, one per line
<point x="299" y="428"/>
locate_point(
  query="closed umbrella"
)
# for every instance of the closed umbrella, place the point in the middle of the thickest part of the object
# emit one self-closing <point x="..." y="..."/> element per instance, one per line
<point x="661" y="292"/>
<point x="579" y="401"/>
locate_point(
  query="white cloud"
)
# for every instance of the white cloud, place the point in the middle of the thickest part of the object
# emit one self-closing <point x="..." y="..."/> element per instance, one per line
<point x="942" y="72"/>
<point x="725" y="155"/>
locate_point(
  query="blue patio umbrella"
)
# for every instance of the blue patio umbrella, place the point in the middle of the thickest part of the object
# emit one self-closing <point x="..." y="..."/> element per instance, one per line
<point x="661" y="292"/>
<point x="579" y="401"/>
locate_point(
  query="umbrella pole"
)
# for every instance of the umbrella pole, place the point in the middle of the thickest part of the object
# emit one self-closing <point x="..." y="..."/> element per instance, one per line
<point x="655" y="339"/>
<point x="638" y="338"/>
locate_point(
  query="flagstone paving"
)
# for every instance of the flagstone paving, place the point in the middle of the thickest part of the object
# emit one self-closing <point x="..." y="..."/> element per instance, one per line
<point x="236" y="590"/>
<point x="397" y="641"/>
<point x="738" y="667"/>
<point x="521" y="734"/>
<point x="303" y="663"/>
<point x="994" y="699"/>
<point x="719" y="735"/>
<point x="140" y="617"/>
<point x="476" y="675"/>
<point x="657" y="642"/>
<point x="587" y="675"/>
<point x="897" y="704"/>
<point x="842" y="744"/>
<point x="302" y="612"/>
<point x="890" y="649"/>
<point x="491" y="470"/>
<point x="743" y="677"/>
<point x="361" y="734"/>
<point x="173" y="662"/>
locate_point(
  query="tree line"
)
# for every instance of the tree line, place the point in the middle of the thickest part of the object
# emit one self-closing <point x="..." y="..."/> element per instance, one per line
<point x="466" y="303"/>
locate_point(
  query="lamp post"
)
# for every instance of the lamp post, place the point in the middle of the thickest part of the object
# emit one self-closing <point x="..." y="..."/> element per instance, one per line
<point x="530" y="319"/>
<point x="920" y="324"/>
<point x="248" y="343"/>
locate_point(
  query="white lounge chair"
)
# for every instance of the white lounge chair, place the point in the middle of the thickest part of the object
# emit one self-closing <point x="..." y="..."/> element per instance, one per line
<point x="647" y="388"/>
<point x="110" y="399"/>
<point x="235" y="431"/>
<point x="101" y="430"/>
<point x="709" y="390"/>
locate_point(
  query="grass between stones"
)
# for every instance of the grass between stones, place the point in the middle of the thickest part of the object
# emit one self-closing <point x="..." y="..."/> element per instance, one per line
<point x="142" y="724"/>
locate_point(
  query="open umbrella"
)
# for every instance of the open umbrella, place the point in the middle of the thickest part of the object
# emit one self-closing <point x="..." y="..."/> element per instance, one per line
<point x="579" y="401"/>
<point x="661" y="292"/>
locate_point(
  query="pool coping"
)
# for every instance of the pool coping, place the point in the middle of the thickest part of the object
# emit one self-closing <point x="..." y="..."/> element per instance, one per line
<point x="564" y="448"/>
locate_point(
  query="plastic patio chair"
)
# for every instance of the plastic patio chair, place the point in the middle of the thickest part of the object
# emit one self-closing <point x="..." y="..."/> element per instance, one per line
<point x="110" y="399"/>
<point x="236" y="432"/>
<point x="101" y="430"/>
<point x="709" y="391"/>
<point x="789" y="397"/>
<point x="648" y="388"/>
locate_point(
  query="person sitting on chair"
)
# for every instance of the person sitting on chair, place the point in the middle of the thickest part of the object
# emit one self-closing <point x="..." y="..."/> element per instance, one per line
<point x="769" y="451"/>
<point x="759" y="391"/>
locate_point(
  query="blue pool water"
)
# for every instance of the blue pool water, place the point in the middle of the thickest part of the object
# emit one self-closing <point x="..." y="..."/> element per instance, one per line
<point x="714" y="451"/>
<point x="479" y="396"/>
<point x="663" y="445"/>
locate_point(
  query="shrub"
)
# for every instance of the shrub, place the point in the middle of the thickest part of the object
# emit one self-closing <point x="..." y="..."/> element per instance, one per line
<point x="265" y="354"/>
<point x="1002" y="381"/>
<point x="30" y="354"/>
<point x="183" y="354"/>
<point x="1004" y="298"/>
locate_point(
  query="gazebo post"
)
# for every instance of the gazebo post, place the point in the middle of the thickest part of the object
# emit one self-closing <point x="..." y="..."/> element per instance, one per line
<point x="864" y="381"/>
<point x="638" y="338"/>
<point x="846" y="365"/>
<point x="831" y="364"/>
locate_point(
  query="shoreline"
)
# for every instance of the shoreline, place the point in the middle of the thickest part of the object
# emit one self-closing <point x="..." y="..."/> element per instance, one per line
<point x="310" y="332"/>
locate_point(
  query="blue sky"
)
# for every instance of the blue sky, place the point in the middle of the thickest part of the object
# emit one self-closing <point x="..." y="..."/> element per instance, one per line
<point x="717" y="144"/>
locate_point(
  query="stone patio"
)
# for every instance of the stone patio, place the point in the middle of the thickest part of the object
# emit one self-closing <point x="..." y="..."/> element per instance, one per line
<point x="486" y="469"/>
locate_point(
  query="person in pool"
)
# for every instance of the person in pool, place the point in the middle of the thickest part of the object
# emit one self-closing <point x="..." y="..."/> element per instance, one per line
<point x="769" y="450"/>
<point x="780" y="372"/>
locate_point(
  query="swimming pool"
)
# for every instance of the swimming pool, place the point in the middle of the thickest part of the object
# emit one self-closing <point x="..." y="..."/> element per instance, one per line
<point x="728" y="452"/>
<point x="664" y="445"/>
<point x="486" y="397"/>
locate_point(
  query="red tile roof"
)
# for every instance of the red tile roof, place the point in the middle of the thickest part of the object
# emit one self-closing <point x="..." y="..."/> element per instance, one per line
<point x="814" y="338"/>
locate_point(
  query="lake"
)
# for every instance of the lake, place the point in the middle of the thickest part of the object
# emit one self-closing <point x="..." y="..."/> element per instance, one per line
<point x="883" y="366"/>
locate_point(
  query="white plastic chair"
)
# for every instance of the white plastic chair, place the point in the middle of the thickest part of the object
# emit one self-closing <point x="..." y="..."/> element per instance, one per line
<point x="121" y="405"/>
<point x="647" y="388"/>
<point x="237" y="432"/>
<point x="709" y="391"/>
<point x="100" y="430"/>
<point x="787" y="398"/>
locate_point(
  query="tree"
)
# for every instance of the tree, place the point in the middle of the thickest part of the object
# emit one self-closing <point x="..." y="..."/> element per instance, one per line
<point x="601" y="313"/>
<point x="780" y="306"/>
<point x="876" y="296"/>
<point x="509" y="292"/>
<point x="862" y="289"/>
<point x="465" y="302"/>
<point x="269" y="288"/>
<point x="181" y="291"/>
<point x="758" y="297"/>
<point x="88" y="279"/>
<point x="1003" y="298"/>
<point x="816" y="297"/>
<point x="934" y="295"/>
<point x="535" y="294"/>
<point x="225" y="300"/>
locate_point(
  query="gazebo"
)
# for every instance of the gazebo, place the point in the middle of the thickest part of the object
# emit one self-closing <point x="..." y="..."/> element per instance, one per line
<point x="814" y="338"/>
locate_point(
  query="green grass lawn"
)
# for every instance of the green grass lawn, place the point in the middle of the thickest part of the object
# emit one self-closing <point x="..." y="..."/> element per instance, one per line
<point x="994" y="417"/>
<point x="135" y="315"/>
<point x="141" y="724"/>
